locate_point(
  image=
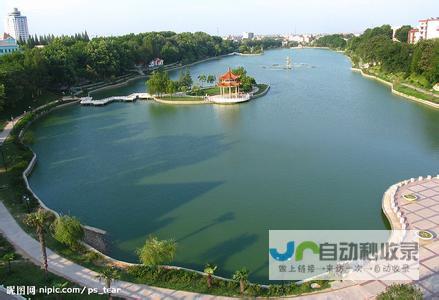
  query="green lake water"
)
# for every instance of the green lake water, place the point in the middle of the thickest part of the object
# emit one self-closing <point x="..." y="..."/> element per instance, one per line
<point x="317" y="152"/>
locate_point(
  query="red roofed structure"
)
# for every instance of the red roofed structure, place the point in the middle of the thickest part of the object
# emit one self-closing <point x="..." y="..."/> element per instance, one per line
<point x="229" y="81"/>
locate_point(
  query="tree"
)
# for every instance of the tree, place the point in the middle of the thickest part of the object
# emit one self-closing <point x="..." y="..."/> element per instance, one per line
<point x="210" y="270"/>
<point x="40" y="221"/>
<point x="242" y="277"/>
<point x="202" y="78"/>
<point x="158" y="82"/>
<point x="334" y="41"/>
<point x="185" y="80"/>
<point x="109" y="274"/>
<point x="157" y="252"/>
<point x="2" y="96"/>
<point x="8" y="258"/>
<point x="68" y="230"/>
<point x="171" y="87"/>
<point x="402" y="33"/>
<point x="211" y="79"/>
<point x="246" y="82"/>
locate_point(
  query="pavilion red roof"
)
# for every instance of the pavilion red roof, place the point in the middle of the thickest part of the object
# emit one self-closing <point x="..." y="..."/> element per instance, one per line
<point x="228" y="76"/>
<point x="228" y="83"/>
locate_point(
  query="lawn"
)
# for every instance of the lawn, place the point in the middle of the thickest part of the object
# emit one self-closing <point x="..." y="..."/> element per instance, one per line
<point x="414" y="93"/>
<point x="179" y="98"/>
<point x="25" y="273"/>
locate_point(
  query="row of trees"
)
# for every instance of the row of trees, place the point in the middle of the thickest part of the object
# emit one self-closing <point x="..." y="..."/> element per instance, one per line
<point x="333" y="41"/>
<point x="41" y="40"/>
<point x="160" y="83"/>
<point x="376" y="47"/>
<point x="71" y="60"/>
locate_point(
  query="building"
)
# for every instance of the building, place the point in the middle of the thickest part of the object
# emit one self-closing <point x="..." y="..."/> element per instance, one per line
<point x="8" y="44"/>
<point x="248" y="35"/>
<point x="228" y="85"/>
<point x="427" y="29"/>
<point x="16" y="26"/>
<point x="155" y="63"/>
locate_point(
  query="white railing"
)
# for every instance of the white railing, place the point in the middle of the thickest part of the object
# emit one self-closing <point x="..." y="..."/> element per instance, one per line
<point x="129" y="98"/>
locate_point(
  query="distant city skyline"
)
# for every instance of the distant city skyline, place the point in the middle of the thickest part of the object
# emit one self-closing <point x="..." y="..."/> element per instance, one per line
<point x="101" y="17"/>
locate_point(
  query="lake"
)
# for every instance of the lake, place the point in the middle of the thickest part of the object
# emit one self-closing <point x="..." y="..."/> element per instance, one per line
<point x="317" y="152"/>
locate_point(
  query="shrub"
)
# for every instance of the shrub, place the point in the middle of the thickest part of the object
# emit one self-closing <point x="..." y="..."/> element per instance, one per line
<point x="92" y="257"/>
<point x="28" y="138"/>
<point x="254" y="290"/>
<point x="68" y="231"/>
<point x="401" y="292"/>
<point x="156" y="252"/>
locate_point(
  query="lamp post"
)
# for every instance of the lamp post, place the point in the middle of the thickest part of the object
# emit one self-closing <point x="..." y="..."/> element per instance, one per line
<point x="3" y="158"/>
<point x="26" y="200"/>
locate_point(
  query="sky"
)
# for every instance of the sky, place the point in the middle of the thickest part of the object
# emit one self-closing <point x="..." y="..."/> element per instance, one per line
<point x="219" y="17"/>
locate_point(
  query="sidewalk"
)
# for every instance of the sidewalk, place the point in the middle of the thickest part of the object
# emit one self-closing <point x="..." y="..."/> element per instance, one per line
<point x="58" y="265"/>
<point x="5" y="132"/>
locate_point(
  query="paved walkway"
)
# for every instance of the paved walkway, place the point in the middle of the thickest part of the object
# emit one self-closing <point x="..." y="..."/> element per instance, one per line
<point x="8" y="127"/>
<point x="423" y="214"/>
<point x="30" y="248"/>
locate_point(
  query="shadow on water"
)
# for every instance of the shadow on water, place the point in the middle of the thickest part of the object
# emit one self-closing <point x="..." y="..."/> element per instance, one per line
<point x="230" y="216"/>
<point x="146" y="214"/>
<point x="220" y="253"/>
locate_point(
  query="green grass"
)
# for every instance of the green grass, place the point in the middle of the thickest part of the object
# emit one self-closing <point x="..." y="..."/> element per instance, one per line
<point x="411" y="92"/>
<point x="189" y="281"/>
<point x="209" y="91"/>
<point x="25" y="273"/>
<point x="179" y="98"/>
<point x="396" y="79"/>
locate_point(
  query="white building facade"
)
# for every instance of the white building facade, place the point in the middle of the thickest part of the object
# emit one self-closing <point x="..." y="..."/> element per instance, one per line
<point x="16" y="25"/>
<point x="427" y="29"/>
<point x="248" y="35"/>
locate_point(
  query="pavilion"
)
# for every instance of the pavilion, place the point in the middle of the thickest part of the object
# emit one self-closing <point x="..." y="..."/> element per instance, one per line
<point x="228" y="84"/>
<point x="229" y="81"/>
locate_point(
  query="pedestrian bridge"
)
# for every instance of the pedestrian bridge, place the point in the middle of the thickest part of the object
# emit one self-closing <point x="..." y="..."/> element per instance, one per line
<point x="130" y="98"/>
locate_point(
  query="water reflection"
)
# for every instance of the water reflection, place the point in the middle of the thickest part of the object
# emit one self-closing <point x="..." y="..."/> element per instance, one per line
<point x="229" y="116"/>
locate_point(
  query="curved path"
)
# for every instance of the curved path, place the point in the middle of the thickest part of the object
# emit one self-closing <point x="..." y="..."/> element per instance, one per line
<point x="30" y="248"/>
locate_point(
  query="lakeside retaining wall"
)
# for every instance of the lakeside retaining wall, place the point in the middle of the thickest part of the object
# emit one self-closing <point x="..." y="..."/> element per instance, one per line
<point x="390" y="203"/>
<point x="261" y="94"/>
<point x="395" y="92"/>
<point x="93" y="237"/>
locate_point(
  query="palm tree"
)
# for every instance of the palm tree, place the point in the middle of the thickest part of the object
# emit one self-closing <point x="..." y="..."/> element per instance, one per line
<point x="8" y="258"/>
<point x="202" y="78"/>
<point x="209" y="270"/>
<point x="211" y="79"/>
<point x="109" y="274"/>
<point x="157" y="252"/>
<point x="40" y="221"/>
<point x="242" y="277"/>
